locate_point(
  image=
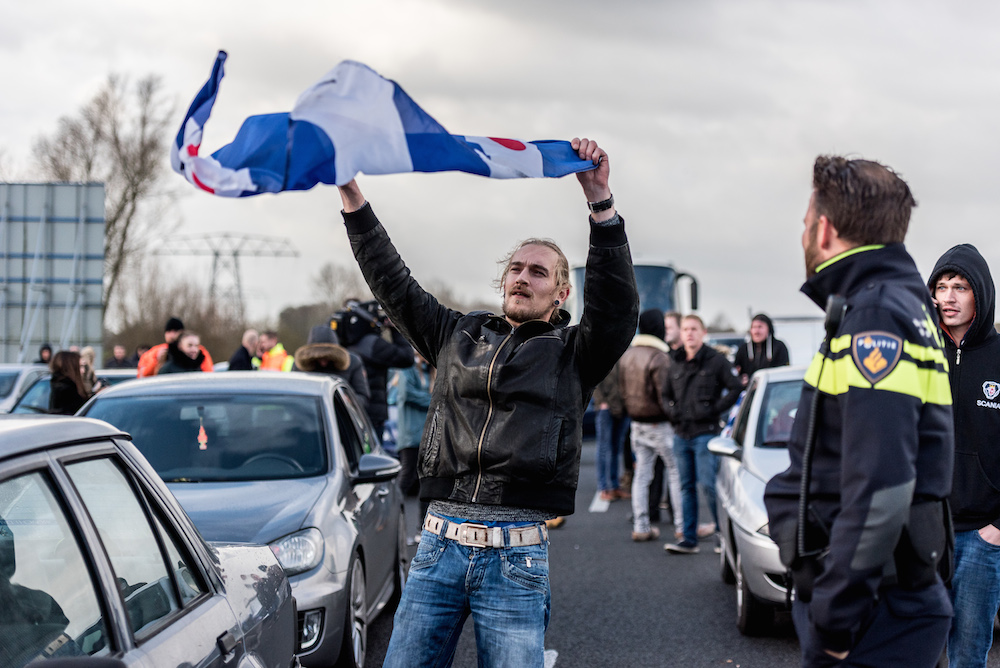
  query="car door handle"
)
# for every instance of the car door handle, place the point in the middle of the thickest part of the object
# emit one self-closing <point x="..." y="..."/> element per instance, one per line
<point x="226" y="643"/>
<point x="382" y="491"/>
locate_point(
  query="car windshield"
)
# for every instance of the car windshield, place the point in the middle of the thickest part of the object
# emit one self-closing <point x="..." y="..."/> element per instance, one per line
<point x="777" y="413"/>
<point x="7" y="381"/>
<point x="220" y="438"/>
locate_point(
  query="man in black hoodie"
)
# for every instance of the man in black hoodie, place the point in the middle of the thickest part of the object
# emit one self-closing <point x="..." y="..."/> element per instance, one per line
<point x="963" y="291"/>
<point x="762" y="351"/>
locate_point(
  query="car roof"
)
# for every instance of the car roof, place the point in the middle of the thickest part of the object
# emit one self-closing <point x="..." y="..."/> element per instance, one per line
<point x="230" y="382"/>
<point x="25" y="433"/>
<point x="21" y="367"/>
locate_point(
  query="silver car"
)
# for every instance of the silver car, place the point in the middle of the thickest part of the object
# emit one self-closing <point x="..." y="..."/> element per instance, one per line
<point x="755" y="450"/>
<point x="288" y="460"/>
<point x="97" y="559"/>
<point x="15" y="379"/>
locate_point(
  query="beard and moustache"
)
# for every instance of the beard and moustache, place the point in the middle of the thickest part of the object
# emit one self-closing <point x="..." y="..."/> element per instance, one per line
<point x="812" y="253"/>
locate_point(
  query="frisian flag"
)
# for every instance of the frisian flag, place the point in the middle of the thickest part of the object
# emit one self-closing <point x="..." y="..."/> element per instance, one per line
<point x="351" y="121"/>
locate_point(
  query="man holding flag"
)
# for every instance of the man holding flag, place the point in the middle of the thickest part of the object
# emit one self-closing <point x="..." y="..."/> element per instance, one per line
<point x="501" y="449"/>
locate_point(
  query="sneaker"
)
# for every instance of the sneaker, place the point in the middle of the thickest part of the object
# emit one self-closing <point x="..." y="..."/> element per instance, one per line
<point x="681" y="548"/>
<point x="555" y="523"/>
<point x="622" y="494"/>
<point x="706" y="530"/>
<point x="652" y="534"/>
<point x="609" y="495"/>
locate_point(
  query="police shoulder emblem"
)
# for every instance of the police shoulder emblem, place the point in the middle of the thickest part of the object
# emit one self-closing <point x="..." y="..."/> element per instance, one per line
<point x="876" y="354"/>
<point x="991" y="389"/>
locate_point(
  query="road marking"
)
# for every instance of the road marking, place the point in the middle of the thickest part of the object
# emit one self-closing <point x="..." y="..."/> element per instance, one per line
<point x="550" y="658"/>
<point x="599" y="505"/>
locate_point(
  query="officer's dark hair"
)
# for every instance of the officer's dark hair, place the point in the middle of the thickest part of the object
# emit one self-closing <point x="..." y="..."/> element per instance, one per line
<point x="866" y="202"/>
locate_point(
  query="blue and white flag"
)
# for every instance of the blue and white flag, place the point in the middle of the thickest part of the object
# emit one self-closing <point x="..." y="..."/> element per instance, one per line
<point x="351" y="121"/>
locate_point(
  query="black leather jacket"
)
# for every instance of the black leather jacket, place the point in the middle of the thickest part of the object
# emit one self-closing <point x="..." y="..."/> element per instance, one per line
<point x="505" y="421"/>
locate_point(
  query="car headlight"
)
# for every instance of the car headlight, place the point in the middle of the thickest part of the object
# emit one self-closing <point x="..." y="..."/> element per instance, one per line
<point x="300" y="551"/>
<point x="764" y="531"/>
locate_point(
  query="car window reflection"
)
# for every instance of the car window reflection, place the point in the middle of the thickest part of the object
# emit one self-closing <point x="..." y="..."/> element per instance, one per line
<point x="48" y="602"/>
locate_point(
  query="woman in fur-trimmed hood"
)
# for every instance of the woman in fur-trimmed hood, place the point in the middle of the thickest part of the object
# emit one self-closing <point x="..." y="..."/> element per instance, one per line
<point x="324" y="354"/>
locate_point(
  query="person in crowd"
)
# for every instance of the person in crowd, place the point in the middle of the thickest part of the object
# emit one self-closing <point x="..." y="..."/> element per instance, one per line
<point x="324" y="354"/>
<point x="864" y="536"/>
<point x="87" y="359"/>
<point x="119" y="358"/>
<point x="762" y="351"/>
<point x="44" y="354"/>
<point x="68" y="392"/>
<point x="242" y="358"/>
<point x="611" y="423"/>
<point x="140" y="350"/>
<point x="155" y="357"/>
<point x="413" y="399"/>
<point x="660" y="495"/>
<point x="701" y="386"/>
<point x="381" y="351"/>
<point x="184" y="355"/>
<point x="643" y="377"/>
<point x="501" y="452"/>
<point x="963" y="290"/>
<point x="273" y="356"/>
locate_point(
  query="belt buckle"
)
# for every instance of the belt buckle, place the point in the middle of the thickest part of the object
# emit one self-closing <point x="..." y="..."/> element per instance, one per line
<point x="465" y="539"/>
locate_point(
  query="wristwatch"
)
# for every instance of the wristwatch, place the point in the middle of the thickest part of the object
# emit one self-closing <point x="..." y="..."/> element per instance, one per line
<point x="603" y="205"/>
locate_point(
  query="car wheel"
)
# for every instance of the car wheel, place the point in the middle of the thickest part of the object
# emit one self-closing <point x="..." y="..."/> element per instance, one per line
<point x="753" y="617"/>
<point x="354" y="645"/>
<point x="725" y="570"/>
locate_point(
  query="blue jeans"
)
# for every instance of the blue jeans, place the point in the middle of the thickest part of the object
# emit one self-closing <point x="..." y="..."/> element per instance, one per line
<point x="506" y="590"/>
<point x="975" y="595"/>
<point x="697" y="466"/>
<point x="610" y="436"/>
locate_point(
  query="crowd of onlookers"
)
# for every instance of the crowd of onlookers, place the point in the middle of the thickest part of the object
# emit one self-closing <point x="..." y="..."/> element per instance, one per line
<point x="656" y="411"/>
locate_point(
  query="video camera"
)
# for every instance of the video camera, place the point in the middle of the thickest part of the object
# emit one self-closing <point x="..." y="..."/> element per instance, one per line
<point x="357" y="320"/>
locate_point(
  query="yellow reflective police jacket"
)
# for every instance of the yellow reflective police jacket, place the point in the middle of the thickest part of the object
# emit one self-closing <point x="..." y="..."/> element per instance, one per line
<point x="884" y="438"/>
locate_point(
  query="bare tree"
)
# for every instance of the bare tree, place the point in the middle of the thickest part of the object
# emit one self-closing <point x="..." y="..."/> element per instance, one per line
<point x="120" y="138"/>
<point x="335" y="283"/>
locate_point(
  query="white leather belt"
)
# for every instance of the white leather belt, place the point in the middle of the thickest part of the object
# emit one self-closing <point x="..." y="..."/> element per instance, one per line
<point x="477" y="535"/>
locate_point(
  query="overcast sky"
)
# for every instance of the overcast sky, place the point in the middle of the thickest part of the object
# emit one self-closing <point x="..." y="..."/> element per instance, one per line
<point x="712" y="113"/>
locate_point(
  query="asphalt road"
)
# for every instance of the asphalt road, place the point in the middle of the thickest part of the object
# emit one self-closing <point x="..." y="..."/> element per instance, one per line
<point x="621" y="604"/>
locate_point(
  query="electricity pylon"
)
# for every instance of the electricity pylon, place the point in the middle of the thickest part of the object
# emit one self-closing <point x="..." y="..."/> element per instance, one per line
<point x="226" y="249"/>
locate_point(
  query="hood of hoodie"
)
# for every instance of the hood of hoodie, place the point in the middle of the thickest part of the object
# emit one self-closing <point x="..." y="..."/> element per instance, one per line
<point x="966" y="261"/>
<point x="767" y="321"/>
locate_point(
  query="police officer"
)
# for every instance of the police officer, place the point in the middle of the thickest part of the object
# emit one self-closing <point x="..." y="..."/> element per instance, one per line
<point x="859" y="515"/>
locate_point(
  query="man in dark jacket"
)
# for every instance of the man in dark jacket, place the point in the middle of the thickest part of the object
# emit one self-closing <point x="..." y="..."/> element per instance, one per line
<point x="501" y="449"/>
<point x="642" y="378"/>
<point x="863" y="540"/>
<point x="242" y="358"/>
<point x="762" y="351"/>
<point x="963" y="290"/>
<point x="379" y="354"/>
<point x="701" y="386"/>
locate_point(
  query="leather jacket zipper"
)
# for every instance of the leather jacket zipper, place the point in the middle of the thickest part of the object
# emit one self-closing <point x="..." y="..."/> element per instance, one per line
<point x="489" y="416"/>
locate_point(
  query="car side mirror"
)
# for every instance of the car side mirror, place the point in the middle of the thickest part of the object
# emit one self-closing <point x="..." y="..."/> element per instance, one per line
<point x="725" y="447"/>
<point x="376" y="468"/>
